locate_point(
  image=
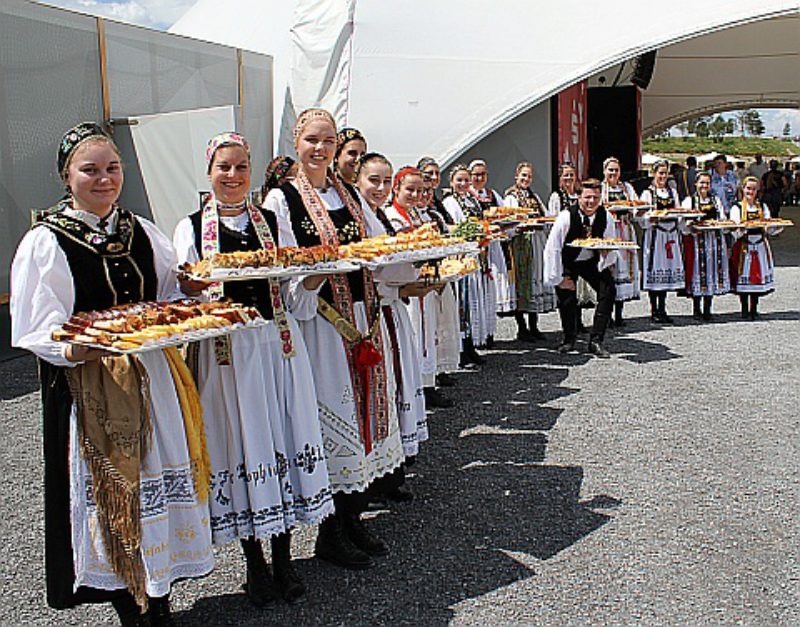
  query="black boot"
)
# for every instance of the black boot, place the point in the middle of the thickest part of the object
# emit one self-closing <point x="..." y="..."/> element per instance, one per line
<point x="522" y="329"/>
<point x="362" y="537"/>
<point x="434" y="398"/>
<point x="129" y="613"/>
<point x="490" y="342"/>
<point x="707" y="309"/>
<point x="619" y="322"/>
<point x="287" y="581"/>
<point x="662" y="308"/>
<point x="160" y="612"/>
<point x="469" y="355"/>
<point x="533" y="327"/>
<point x="697" y="313"/>
<point x="444" y="380"/>
<point x="753" y="307"/>
<point x="653" y="296"/>
<point x="335" y="546"/>
<point x="259" y="587"/>
<point x="745" y="307"/>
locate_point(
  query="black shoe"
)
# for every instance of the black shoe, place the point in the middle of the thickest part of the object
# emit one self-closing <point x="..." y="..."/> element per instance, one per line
<point x="400" y="494"/>
<point x="444" y="380"/>
<point x="490" y="341"/>
<point x="523" y="335"/>
<point x="619" y="322"/>
<point x="287" y="582"/>
<point x="472" y="357"/>
<point x="259" y="587"/>
<point x="335" y="546"/>
<point x="129" y="613"/>
<point x="697" y="314"/>
<point x="754" y="315"/>
<point x="434" y="398"/>
<point x="596" y="349"/>
<point x="566" y="347"/>
<point x="707" y="316"/>
<point x="160" y="613"/>
<point x="536" y="334"/>
<point x="363" y="539"/>
<point x="582" y="328"/>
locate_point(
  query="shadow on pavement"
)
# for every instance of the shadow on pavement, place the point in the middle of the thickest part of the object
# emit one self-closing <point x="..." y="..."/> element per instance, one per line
<point x="18" y="376"/>
<point x="485" y="509"/>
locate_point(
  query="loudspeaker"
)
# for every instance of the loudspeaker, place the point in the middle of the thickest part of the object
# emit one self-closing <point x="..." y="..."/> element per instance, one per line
<point x="643" y="68"/>
<point x="613" y="127"/>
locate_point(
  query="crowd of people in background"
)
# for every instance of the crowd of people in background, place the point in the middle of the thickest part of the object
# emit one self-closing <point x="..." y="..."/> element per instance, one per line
<point x="316" y="415"/>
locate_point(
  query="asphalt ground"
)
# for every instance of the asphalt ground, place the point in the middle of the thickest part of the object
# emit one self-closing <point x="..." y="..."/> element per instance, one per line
<point x="658" y="487"/>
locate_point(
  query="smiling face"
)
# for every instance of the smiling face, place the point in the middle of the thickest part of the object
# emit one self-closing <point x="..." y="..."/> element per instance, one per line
<point x="660" y="176"/>
<point x="750" y="191"/>
<point x="567" y="179"/>
<point x="94" y="176"/>
<point x="316" y="146"/>
<point x="230" y="174"/>
<point x="703" y="184"/>
<point x="480" y="176"/>
<point x="589" y="200"/>
<point x="409" y="191"/>
<point x="612" y="172"/>
<point x="721" y="166"/>
<point x="460" y="182"/>
<point x="347" y="161"/>
<point x="524" y="177"/>
<point x="431" y="172"/>
<point x="427" y="194"/>
<point x="375" y="182"/>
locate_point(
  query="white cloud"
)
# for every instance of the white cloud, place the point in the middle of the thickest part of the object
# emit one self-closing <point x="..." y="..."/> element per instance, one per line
<point x="775" y="119"/>
<point x="160" y="14"/>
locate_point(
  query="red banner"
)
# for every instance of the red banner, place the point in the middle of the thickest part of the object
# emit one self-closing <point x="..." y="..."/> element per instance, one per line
<point x="573" y="142"/>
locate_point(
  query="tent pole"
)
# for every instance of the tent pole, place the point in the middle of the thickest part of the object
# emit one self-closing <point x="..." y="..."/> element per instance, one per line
<point x="240" y="70"/>
<point x="101" y="39"/>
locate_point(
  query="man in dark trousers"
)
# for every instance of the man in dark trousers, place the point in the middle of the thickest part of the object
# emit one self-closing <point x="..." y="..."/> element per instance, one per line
<point x="563" y="265"/>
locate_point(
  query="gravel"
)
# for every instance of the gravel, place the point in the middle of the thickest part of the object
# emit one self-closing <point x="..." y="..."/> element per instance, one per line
<point x="660" y="486"/>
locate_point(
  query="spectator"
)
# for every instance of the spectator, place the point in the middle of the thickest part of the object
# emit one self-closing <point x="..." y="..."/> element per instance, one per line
<point x="724" y="183"/>
<point x="772" y="188"/>
<point x="689" y="175"/>
<point x="758" y="168"/>
<point x="741" y="171"/>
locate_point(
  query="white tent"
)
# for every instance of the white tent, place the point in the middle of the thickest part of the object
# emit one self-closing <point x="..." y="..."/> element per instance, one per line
<point x="421" y="77"/>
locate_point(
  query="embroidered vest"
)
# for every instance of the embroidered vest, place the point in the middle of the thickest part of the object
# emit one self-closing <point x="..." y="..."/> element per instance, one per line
<point x="107" y="269"/>
<point x="707" y="206"/>
<point x="577" y="230"/>
<point x="256" y="292"/>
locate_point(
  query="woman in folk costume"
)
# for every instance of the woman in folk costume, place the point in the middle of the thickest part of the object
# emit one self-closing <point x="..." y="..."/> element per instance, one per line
<point x="705" y="252"/>
<point x="340" y="319"/>
<point x="626" y="270"/>
<point x="351" y="145"/>
<point x="566" y="196"/>
<point x="752" y="270"/>
<point x="448" y="337"/>
<point x="126" y="488"/>
<point x="662" y="256"/>
<point x="267" y="461"/>
<point x="404" y="215"/>
<point x="474" y="295"/>
<point x="279" y="170"/>
<point x="374" y="184"/>
<point x="498" y="253"/>
<point x="527" y="248"/>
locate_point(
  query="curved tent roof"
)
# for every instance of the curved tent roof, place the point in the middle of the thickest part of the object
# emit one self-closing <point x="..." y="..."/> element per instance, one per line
<point x="422" y="77"/>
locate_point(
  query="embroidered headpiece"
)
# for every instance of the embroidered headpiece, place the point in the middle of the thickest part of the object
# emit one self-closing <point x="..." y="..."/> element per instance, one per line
<point x="346" y="135"/>
<point x="276" y="171"/>
<point x="73" y="138"/>
<point x="475" y="163"/>
<point x="224" y="139"/>
<point x="308" y="116"/>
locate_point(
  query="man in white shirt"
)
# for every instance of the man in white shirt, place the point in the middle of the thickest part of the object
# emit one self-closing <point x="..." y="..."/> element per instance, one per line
<point x="564" y="264"/>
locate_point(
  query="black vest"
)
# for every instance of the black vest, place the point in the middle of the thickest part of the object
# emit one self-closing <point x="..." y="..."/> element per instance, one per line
<point x="305" y="232"/>
<point x="106" y="270"/>
<point x="577" y="230"/>
<point x="255" y="293"/>
<point x="707" y="206"/>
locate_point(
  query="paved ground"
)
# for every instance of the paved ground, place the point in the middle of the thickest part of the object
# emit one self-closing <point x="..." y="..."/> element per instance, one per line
<point x="659" y="487"/>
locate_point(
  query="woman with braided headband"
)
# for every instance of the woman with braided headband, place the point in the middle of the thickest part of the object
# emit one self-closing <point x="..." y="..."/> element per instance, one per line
<point x="340" y="319"/>
<point x="265" y="447"/>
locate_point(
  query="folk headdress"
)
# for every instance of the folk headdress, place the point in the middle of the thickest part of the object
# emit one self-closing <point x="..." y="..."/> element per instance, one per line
<point x="229" y="138"/>
<point x="73" y="138"/>
<point x="346" y="135"/>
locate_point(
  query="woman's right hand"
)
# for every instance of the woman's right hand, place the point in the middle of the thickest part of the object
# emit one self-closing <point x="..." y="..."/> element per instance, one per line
<point x="567" y="284"/>
<point x="75" y="353"/>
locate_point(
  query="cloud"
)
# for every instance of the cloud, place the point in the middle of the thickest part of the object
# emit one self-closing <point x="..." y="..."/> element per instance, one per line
<point x="160" y="14"/>
<point x="775" y="119"/>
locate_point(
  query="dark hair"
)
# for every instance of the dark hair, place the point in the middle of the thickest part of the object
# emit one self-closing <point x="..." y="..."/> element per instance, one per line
<point x="691" y="162"/>
<point x="370" y="157"/>
<point x="590" y="184"/>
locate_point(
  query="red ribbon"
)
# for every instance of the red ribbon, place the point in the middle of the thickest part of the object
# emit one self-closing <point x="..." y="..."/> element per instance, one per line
<point x="669" y="245"/>
<point x="755" y="269"/>
<point x="366" y="357"/>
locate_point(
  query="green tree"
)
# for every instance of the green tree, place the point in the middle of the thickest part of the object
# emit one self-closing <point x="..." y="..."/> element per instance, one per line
<point x="753" y="122"/>
<point x="718" y="127"/>
<point x="787" y="130"/>
<point x="741" y="120"/>
<point x="701" y="129"/>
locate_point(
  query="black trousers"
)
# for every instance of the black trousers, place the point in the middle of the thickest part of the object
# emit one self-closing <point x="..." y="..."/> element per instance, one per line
<point x="603" y="284"/>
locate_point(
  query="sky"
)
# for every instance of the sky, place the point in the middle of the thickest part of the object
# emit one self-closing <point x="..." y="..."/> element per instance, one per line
<point x="161" y="14"/>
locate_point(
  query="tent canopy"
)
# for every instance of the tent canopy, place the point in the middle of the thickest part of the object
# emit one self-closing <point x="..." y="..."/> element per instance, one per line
<point x="438" y="83"/>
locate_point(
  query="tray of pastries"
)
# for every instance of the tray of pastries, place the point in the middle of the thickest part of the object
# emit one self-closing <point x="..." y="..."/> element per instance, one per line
<point x="421" y="244"/>
<point x="145" y="326"/>
<point x="599" y="243"/>
<point x="674" y="214"/>
<point x="765" y="223"/>
<point x="714" y="225"/>
<point x="262" y="264"/>
<point x="537" y="222"/>
<point x="449" y="269"/>
<point x="622" y="206"/>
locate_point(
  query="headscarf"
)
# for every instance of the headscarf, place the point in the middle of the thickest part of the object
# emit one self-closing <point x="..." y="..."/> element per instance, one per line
<point x="277" y="169"/>
<point x="307" y="117"/>
<point x="348" y="134"/>
<point x="73" y="138"/>
<point x="425" y="162"/>
<point x="404" y="172"/>
<point x="230" y="138"/>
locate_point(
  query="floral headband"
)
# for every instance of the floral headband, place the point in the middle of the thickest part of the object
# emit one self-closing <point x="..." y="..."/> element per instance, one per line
<point x="224" y="139"/>
<point x="307" y="117"/>
<point x="404" y="172"/>
<point x="73" y="138"/>
<point x="277" y="169"/>
<point x="347" y="135"/>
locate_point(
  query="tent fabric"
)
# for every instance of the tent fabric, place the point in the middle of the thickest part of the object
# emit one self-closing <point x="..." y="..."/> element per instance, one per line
<point x="438" y="83"/>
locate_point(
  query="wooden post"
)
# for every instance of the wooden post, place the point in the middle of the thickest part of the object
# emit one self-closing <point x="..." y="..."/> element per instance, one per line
<point x="240" y="69"/>
<point x="101" y="39"/>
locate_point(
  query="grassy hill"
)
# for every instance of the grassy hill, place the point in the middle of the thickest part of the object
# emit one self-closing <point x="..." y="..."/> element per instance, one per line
<point x="739" y="146"/>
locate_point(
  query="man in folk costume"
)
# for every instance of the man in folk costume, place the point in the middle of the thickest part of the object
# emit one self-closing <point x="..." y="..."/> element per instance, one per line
<point x="565" y="264"/>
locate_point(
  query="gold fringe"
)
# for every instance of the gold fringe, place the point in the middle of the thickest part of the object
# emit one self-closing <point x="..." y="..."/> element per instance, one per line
<point x="192" y="410"/>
